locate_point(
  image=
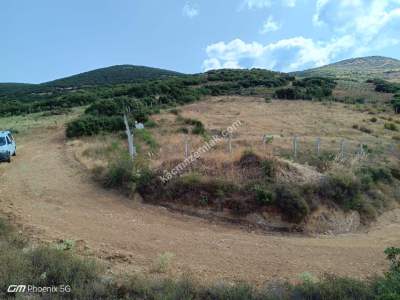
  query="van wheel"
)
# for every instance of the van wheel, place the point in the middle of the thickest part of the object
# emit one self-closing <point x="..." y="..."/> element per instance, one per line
<point x="9" y="159"/>
<point x="15" y="153"/>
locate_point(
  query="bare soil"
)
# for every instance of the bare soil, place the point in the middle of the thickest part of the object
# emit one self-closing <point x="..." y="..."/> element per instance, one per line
<point x="48" y="194"/>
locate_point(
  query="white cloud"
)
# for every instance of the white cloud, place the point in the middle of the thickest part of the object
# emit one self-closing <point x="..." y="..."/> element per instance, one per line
<point x="270" y="25"/>
<point x="190" y="10"/>
<point x="259" y="4"/>
<point x="353" y="27"/>
<point x="286" y="55"/>
<point x="364" y="18"/>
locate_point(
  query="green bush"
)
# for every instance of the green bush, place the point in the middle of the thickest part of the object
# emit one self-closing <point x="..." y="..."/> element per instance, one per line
<point x="91" y="125"/>
<point x="150" y="124"/>
<point x="264" y="197"/>
<point x="342" y="189"/>
<point x="269" y="168"/>
<point x="391" y="126"/>
<point x="290" y="202"/>
<point x="199" y="129"/>
<point x="120" y="172"/>
<point x="374" y="120"/>
<point x="377" y="174"/>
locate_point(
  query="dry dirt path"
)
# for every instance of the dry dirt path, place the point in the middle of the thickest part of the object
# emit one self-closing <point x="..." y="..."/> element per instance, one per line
<point x="51" y="198"/>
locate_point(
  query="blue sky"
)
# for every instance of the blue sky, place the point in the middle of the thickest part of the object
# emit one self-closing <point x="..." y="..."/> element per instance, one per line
<point x="43" y="40"/>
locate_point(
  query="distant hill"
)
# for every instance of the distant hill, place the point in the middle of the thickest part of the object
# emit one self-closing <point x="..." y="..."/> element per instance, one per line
<point x="105" y="76"/>
<point x="358" y="68"/>
<point x="12" y="88"/>
<point x="112" y="75"/>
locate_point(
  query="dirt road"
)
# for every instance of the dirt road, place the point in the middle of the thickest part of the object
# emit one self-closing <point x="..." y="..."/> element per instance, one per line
<point x="52" y="198"/>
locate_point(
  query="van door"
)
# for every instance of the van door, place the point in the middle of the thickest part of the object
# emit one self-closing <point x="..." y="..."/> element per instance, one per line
<point x="13" y="142"/>
<point x="11" y="146"/>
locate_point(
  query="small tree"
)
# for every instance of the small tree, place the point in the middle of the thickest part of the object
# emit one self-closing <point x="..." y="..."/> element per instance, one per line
<point x="396" y="104"/>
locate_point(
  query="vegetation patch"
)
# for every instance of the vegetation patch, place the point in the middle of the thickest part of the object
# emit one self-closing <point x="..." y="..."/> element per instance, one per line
<point x="48" y="266"/>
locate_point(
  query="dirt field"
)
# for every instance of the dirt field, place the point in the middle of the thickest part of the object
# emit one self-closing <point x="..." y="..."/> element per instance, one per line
<point x="46" y="191"/>
<point x="281" y="119"/>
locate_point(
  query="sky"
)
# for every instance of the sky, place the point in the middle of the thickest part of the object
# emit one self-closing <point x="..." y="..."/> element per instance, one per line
<point x="42" y="40"/>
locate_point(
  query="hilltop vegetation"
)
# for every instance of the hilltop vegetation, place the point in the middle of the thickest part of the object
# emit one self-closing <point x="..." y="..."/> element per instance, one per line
<point x="358" y="69"/>
<point x="113" y="75"/>
<point x="147" y="98"/>
<point x="384" y="86"/>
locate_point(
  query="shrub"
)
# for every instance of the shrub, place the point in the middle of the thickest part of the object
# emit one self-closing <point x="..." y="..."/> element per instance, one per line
<point x="145" y="136"/>
<point x="53" y="267"/>
<point x="366" y="130"/>
<point x="91" y="125"/>
<point x="120" y="173"/>
<point x="150" y="124"/>
<point x="199" y="129"/>
<point x="263" y="196"/>
<point x="391" y="126"/>
<point x="374" y="120"/>
<point x="333" y="287"/>
<point x="342" y="189"/>
<point x="269" y="168"/>
<point x="292" y="205"/>
<point x="377" y="174"/>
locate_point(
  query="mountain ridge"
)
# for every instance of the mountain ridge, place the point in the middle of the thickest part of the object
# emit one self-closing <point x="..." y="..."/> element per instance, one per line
<point x="357" y="68"/>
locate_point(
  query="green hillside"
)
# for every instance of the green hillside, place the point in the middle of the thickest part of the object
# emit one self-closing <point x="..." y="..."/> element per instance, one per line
<point x="12" y="88"/>
<point x="104" y="76"/>
<point x="112" y="75"/>
<point x="360" y="68"/>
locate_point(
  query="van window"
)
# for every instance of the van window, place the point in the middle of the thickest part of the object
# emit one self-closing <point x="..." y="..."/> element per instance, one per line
<point x="10" y="137"/>
<point x="8" y="140"/>
<point x="2" y="141"/>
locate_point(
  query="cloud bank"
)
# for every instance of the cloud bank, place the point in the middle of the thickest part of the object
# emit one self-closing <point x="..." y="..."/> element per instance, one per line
<point x="354" y="27"/>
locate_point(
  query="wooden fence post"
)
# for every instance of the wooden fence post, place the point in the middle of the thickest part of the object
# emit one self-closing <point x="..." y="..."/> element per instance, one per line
<point x="295" y="147"/>
<point x="187" y="150"/>
<point x="318" y="143"/>
<point x="342" y="147"/>
<point x="131" y="143"/>
<point x="230" y="143"/>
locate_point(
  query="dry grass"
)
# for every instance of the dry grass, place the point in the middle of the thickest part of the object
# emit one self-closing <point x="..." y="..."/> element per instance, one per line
<point x="331" y="122"/>
<point x="282" y="119"/>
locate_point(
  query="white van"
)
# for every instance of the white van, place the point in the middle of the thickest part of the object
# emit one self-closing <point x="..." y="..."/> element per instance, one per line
<point x="8" y="147"/>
